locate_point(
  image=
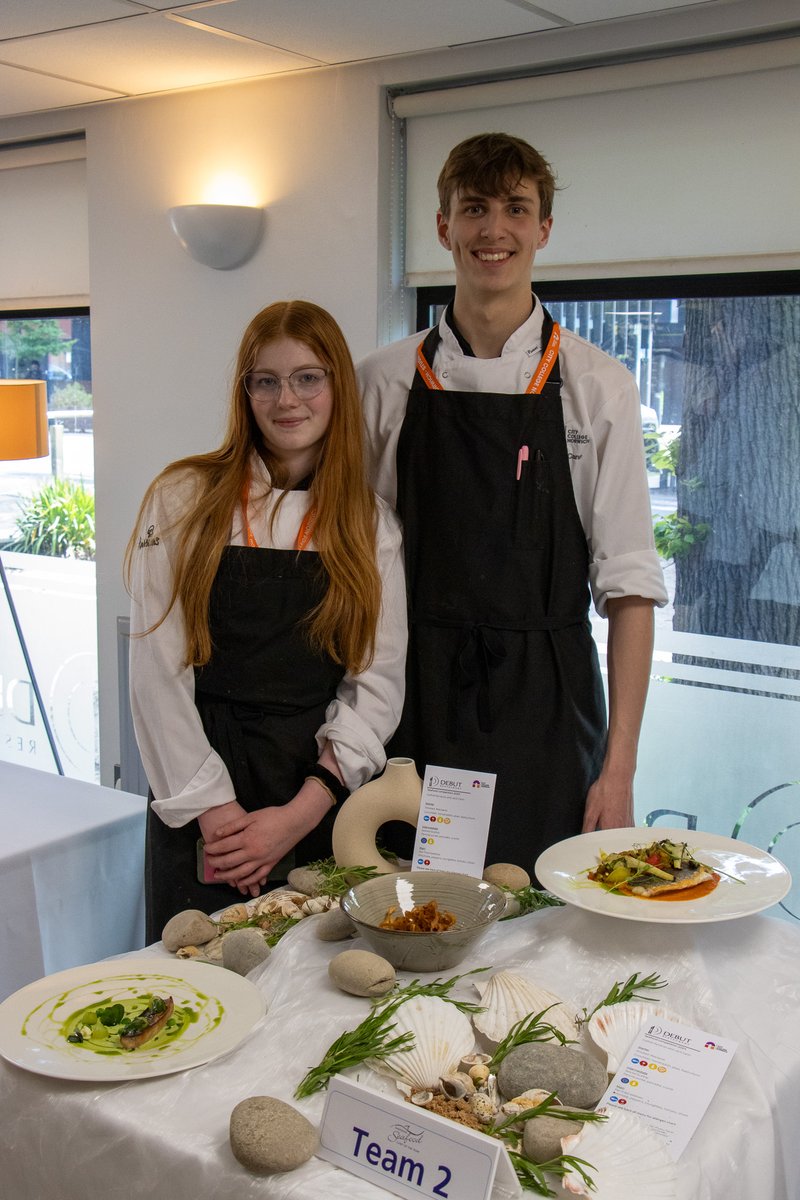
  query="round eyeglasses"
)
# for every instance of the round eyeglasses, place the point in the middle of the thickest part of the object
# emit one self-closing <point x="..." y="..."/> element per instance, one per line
<point x="306" y="383"/>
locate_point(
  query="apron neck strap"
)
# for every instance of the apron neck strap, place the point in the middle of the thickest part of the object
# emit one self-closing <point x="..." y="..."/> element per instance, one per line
<point x="551" y="340"/>
<point x="304" y="533"/>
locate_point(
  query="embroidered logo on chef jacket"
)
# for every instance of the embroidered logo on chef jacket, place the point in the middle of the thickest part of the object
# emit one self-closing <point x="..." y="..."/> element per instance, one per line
<point x="149" y="540"/>
<point x="574" y="439"/>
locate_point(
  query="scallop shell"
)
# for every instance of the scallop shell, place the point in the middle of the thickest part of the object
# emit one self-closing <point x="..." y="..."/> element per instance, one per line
<point x="442" y="1035"/>
<point x="629" y="1161"/>
<point x="236" y="912"/>
<point x="614" y="1027"/>
<point x="508" y="997"/>
<point x="317" y="904"/>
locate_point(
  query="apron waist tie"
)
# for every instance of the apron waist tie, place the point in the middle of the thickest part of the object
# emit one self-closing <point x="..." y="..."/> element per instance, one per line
<point x="480" y="649"/>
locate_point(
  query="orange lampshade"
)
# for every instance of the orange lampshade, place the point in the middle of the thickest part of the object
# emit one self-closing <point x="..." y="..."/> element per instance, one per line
<point x="23" y="419"/>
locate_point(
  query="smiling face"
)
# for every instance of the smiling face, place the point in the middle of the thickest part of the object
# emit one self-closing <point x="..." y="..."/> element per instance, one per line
<point x="494" y="239"/>
<point x="293" y="427"/>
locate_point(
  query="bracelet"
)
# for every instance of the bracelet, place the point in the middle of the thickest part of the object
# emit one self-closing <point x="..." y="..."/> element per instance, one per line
<point x="333" y="786"/>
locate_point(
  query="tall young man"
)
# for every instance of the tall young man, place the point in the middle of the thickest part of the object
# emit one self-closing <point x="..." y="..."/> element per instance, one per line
<point x="513" y="452"/>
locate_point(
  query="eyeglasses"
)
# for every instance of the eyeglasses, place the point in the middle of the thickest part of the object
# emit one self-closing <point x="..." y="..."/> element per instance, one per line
<point x="306" y="383"/>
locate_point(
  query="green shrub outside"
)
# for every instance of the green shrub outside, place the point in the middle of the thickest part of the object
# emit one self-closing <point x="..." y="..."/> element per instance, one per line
<point x="58" y="521"/>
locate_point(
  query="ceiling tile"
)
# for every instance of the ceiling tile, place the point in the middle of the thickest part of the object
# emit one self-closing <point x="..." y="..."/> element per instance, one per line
<point x="578" y="12"/>
<point x="24" y="92"/>
<point x="147" y="54"/>
<point x="359" y="29"/>
<point x="21" y="18"/>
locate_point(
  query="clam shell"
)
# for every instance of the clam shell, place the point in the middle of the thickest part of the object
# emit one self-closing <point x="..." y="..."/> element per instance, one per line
<point x="615" y="1026"/>
<point x="629" y="1161"/>
<point x="442" y="1035"/>
<point x="508" y="997"/>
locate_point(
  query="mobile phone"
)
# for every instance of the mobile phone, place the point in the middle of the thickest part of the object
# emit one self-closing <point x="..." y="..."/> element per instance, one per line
<point x="205" y="872"/>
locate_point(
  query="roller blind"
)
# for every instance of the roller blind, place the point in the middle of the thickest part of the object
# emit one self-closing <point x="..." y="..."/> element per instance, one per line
<point x="44" y="244"/>
<point x="681" y="164"/>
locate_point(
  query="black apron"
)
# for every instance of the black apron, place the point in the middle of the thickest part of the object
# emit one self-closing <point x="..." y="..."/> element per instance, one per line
<point x="261" y="697"/>
<point x="502" y="673"/>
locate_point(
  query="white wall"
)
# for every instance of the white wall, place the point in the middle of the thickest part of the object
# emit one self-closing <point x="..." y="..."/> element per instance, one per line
<point x="317" y="147"/>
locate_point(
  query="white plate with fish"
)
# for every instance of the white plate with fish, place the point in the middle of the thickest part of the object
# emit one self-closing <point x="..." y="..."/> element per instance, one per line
<point x="751" y="880"/>
<point x="52" y="1027"/>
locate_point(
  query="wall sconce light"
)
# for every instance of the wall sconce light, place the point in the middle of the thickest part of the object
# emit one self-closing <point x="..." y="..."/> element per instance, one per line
<point x="218" y="235"/>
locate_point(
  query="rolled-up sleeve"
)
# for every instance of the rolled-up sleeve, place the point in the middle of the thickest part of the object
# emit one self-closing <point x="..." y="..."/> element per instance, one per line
<point x="624" y="561"/>
<point x="367" y="706"/>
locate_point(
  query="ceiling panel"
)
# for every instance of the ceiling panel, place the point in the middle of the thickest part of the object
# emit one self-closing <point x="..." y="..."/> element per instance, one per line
<point x="24" y="92"/>
<point x="580" y="11"/>
<point x="20" y="18"/>
<point x="147" y="54"/>
<point x="360" y="29"/>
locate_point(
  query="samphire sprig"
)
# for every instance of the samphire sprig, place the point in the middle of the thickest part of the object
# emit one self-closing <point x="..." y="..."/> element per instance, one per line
<point x="437" y="987"/>
<point x="620" y="992"/>
<point x="336" y="880"/>
<point x="549" y="1107"/>
<point x="530" y="1029"/>
<point x="370" y="1039"/>
<point x="530" y="899"/>
<point x="532" y="1176"/>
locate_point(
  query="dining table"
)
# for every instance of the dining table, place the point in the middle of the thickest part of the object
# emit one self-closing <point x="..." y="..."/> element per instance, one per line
<point x="167" y="1135"/>
<point x="71" y="873"/>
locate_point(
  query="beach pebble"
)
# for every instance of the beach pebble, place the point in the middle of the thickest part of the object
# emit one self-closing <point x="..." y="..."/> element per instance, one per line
<point x="268" y="1135"/>
<point x="188" y="928"/>
<point x="306" y="880"/>
<point x="578" y="1080"/>
<point x="507" y="875"/>
<point x="541" y="1137"/>
<point x="334" y="925"/>
<point x="244" y="949"/>
<point x="362" y="973"/>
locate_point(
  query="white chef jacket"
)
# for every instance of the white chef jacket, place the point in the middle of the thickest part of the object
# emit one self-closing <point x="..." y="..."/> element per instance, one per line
<point x="602" y="426"/>
<point x="186" y="775"/>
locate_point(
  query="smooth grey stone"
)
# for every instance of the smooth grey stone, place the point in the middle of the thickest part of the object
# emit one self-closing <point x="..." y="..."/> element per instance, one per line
<point x="362" y="973"/>
<point x="306" y="880"/>
<point x="578" y="1080"/>
<point x="188" y="928"/>
<point x="269" y="1136"/>
<point x="244" y="949"/>
<point x="541" y="1137"/>
<point x="334" y="925"/>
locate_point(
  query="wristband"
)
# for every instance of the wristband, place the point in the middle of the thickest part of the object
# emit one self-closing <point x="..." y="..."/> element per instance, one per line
<point x="332" y="785"/>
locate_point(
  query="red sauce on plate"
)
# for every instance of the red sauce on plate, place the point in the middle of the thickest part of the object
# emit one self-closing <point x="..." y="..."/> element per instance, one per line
<point x="692" y="893"/>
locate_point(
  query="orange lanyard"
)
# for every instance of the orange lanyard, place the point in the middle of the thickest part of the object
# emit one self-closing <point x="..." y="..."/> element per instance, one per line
<point x="540" y="378"/>
<point x="303" y="534"/>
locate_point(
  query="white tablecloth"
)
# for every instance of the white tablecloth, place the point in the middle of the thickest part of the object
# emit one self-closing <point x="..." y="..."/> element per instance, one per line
<point x="168" y="1137"/>
<point x="71" y="874"/>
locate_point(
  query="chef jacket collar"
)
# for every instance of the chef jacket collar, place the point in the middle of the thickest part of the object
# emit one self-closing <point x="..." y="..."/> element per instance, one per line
<point x="528" y="336"/>
<point x="259" y="470"/>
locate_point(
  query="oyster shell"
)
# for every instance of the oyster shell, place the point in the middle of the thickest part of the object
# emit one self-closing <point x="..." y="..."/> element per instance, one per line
<point x="615" y="1026"/>
<point x="629" y="1161"/>
<point x="236" y="912"/>
<point x="508" y="997"/>
<point x="442" y="1035"/>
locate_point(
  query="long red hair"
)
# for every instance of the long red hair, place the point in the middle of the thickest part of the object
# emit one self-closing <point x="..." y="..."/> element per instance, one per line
<point x="344" y="623"/>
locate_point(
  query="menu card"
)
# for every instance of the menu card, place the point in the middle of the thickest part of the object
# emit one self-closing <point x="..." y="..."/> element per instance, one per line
<point x="668" y="1078"/>
<point x="453" y="825"/>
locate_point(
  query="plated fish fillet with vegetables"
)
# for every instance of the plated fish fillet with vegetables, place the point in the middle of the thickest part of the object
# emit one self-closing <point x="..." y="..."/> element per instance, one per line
<point x="659" y="870"/>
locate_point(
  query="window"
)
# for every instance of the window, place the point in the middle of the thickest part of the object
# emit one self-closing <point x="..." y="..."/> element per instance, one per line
<point x="47" y="545"/>
<point x="717" y="362"/>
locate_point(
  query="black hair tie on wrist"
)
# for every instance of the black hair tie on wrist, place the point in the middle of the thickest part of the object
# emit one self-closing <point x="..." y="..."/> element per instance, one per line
<point x="333" y="786"/>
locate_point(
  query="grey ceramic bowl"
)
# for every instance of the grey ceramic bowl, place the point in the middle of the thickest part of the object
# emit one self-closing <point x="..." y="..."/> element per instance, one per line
<point x="475" y="903"/>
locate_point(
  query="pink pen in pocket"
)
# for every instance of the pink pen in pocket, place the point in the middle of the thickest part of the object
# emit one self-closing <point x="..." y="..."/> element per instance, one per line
<point x="522" y="457"/>
<point x="205" y="872"/>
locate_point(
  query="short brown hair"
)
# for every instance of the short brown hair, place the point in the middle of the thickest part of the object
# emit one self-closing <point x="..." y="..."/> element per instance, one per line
<point x="492" y="164"/>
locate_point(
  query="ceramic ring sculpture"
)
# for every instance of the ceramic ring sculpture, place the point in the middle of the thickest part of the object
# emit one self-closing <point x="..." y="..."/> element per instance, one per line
<point x="395" y="796"/>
